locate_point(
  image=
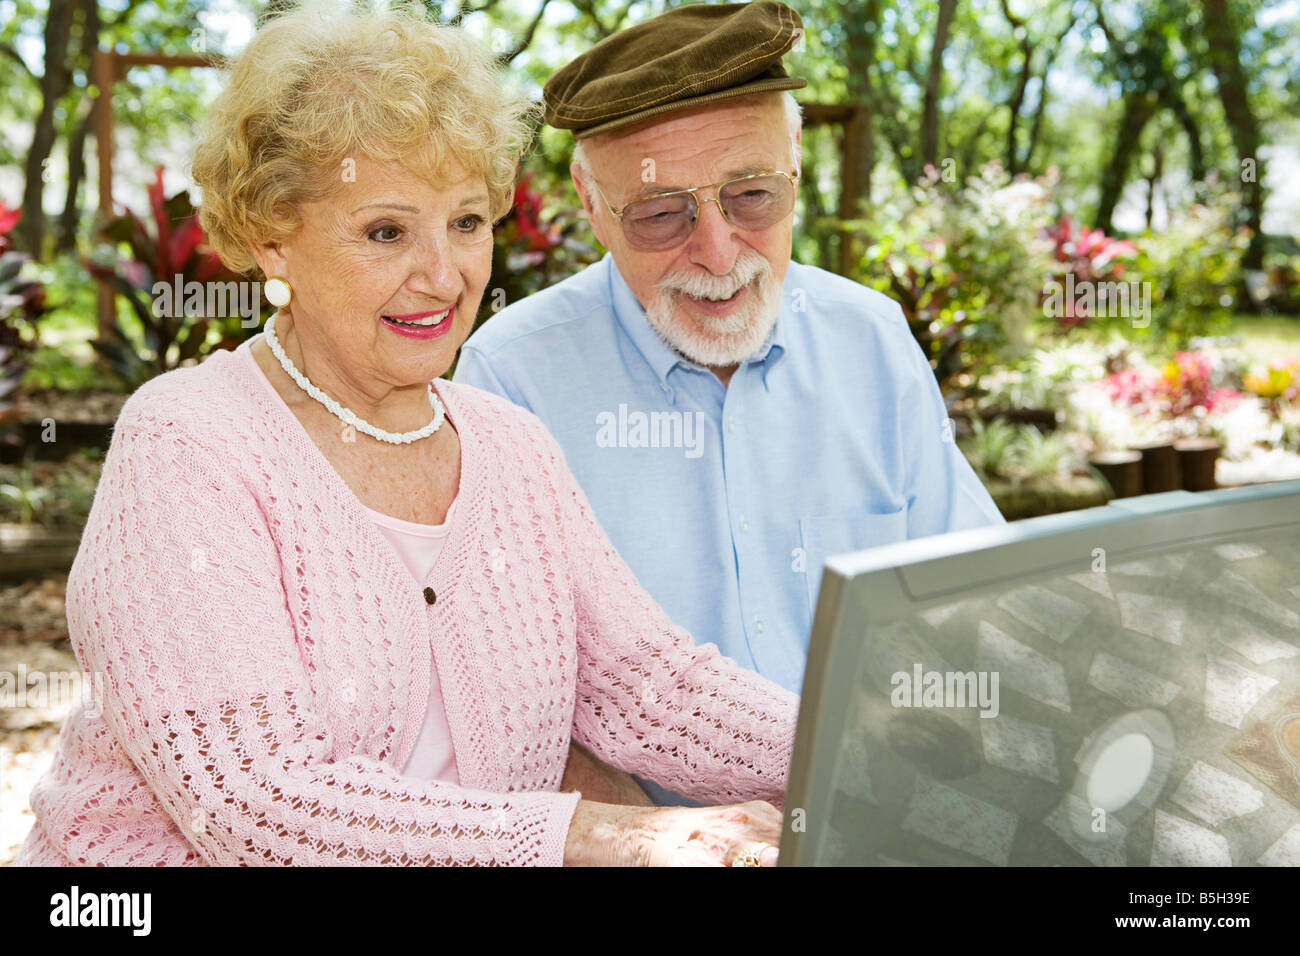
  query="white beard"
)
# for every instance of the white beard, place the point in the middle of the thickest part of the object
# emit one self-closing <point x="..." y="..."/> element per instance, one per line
<point x="723" y="341"/>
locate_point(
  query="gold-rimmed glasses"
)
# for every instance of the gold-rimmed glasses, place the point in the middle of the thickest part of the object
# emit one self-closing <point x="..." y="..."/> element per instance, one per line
<point x="667" y="219"/>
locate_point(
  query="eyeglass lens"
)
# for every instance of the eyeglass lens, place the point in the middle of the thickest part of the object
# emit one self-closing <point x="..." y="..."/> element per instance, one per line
<point x="663" y="221"/>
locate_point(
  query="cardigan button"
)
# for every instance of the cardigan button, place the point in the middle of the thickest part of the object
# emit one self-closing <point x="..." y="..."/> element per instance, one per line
<point x="429" y="596"/>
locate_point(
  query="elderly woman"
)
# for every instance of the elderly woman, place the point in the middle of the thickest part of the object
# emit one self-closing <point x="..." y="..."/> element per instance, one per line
<point x="345" y="611"/>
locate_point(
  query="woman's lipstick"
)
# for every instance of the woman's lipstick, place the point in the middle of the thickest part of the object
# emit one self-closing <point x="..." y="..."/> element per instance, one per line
<point x="431" y="331"/>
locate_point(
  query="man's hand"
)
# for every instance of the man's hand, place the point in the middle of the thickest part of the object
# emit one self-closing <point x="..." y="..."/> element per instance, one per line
<point x="600" y="782"/>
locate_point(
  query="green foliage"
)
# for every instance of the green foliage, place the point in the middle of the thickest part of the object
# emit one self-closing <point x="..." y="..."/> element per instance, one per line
<point x="967" y="264"/>
<point x="972" y="266"/>
<point x="63" y="357"/>
<point x="56" y="367"/>
<point x="1000" y="449"/>
<point x="24" y="498"/>
<point x="1041" y="455"/>
<point x="1042" y="379"/>
<point x="990" y="447"/>
<point x="1194" y="269"/>
<point x="52" y="494"/>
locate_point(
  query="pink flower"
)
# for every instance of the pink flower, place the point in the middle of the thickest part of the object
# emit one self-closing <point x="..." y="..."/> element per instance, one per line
<point x="8" y="217"/>
<point x="1222" y="399"/>
<point x="1131" y="386"/>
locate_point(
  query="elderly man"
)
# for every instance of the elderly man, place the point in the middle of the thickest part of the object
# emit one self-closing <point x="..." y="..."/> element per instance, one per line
<point x="733" y="417"/>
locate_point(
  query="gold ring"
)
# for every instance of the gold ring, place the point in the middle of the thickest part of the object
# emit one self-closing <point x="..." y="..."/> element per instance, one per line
<point x="751" y="857"/>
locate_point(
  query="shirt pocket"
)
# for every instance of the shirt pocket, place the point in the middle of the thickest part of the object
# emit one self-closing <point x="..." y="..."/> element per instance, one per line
<point x="825" y="535"/>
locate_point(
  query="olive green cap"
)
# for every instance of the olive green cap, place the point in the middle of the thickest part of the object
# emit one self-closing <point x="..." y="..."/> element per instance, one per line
<point x="685" y="57"/>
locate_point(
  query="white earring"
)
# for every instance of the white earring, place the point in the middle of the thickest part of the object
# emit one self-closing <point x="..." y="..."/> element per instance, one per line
<point x="278" y="292"/>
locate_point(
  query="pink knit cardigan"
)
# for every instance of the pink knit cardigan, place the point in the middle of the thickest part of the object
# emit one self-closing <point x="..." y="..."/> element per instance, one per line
<point x="266" y="655"/>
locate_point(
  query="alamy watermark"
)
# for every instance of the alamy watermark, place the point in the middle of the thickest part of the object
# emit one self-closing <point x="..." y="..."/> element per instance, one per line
<point x="1129" y="300"/>
<point x="75" y="908"/>
<point x="47" y="689"/>
<point x="922" y="688"/>
<point x="208" y="299"/>
<point x="626" y="429"/>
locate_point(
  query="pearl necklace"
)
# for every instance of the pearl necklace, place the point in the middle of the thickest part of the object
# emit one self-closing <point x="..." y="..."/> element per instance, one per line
<point x="346" y="414"/>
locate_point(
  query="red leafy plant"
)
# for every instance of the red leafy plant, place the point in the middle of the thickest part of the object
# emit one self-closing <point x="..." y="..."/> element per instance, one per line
<point x="171" y="248"/>
<point x="21" y="300"/>
<point x="1090" y="256"/>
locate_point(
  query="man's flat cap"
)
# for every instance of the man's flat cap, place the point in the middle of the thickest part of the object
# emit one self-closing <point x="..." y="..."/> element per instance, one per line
<point x="685" y="57"/>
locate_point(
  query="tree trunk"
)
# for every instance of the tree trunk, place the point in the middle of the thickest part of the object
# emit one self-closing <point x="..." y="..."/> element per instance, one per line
<point x="899" y="136"/>
<point x="1157" y="171"/>
<point x="70" y="218"/>
<point x="1036" y="128"/>
<point x="1139" y="106"/>
<point x="934" y="84"/>
<point x="1018" y="97"/>
<point x="861" y="27"/>
<point x="1196" y="153"/>
<point x="972" y="142"/>
<point x="814" y="207"/>
<point x="54" y="83"/>
<point x="1225" y="60"/>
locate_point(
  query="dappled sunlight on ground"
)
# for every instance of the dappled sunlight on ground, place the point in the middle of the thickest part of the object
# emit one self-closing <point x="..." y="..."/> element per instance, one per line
<point x="33" y="639"/>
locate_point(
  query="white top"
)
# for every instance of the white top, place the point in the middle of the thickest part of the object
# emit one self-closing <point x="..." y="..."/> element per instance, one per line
<point x="433" y="757"/>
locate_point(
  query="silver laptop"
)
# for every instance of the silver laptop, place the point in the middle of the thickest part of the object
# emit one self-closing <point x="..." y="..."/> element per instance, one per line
<point x="1111" y="687"/>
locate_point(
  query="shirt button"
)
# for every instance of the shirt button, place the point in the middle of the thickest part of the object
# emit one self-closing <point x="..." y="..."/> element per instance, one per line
<point x="429" y="596"/>
<point x="731" y="425"/>
<point x="744" y="527"/>
<point x="758" y="625"/>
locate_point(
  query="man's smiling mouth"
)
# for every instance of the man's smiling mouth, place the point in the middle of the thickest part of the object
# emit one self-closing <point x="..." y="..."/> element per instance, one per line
<point x="717" y="306"/>
<point x="712" y="299"/>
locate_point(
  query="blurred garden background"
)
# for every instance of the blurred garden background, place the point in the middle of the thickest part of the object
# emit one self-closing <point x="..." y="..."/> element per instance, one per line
<point x="1089" y="211"/>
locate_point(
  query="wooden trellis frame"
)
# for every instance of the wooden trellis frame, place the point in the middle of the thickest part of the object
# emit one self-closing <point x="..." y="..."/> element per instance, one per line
<point x="850" y="117"/>
<point x="108" y="67"/>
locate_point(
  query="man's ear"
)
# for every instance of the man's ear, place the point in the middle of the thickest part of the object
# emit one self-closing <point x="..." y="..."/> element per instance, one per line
<point x="584" y="190"/>
<point x="580" y="184"/>
<point x="798" y="149"/>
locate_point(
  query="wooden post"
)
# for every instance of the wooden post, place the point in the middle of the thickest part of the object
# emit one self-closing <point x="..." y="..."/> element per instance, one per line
<point x="1121" y="469"/>
<point x="1160" y="467"/>
<point x="839" y="115"/>
<point x="850" y="188"/>
<point x="1198" y="457"/>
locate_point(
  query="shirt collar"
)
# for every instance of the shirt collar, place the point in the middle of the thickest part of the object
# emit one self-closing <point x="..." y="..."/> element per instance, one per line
<point x="663" y="358"/>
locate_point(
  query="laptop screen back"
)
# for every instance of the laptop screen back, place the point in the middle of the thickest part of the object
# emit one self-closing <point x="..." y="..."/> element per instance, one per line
<point x="1113" y="687"/>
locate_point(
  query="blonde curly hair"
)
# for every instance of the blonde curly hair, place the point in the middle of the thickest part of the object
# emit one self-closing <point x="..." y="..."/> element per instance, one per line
<point x="322" y="83"/>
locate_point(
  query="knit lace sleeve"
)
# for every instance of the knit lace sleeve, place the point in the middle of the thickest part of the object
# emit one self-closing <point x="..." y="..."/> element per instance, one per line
<point x="652" y="702"/>
<point x="177" y="598"/>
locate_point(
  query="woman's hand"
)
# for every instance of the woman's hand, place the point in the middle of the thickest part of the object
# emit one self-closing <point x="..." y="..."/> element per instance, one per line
<point x="606" y="835"/>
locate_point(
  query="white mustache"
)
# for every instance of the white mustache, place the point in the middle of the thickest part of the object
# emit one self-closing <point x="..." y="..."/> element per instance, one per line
<point x="705" y="285"/>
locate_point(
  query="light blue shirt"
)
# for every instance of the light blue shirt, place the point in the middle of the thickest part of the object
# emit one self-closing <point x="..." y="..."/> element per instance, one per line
<point x="726" y="501"/>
